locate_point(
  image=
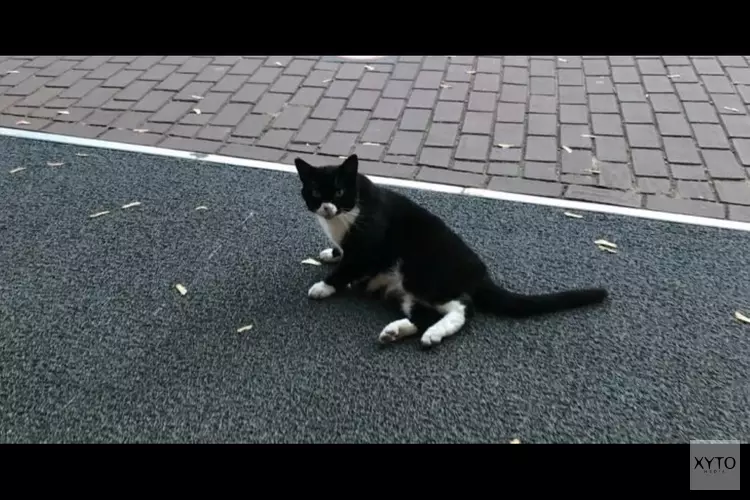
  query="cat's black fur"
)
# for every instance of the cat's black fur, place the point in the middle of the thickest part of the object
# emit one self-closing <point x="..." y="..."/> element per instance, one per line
<point x="436" y="265"/>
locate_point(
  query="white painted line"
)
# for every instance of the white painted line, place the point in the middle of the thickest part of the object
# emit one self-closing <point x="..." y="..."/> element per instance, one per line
<point x="403" y="183"/>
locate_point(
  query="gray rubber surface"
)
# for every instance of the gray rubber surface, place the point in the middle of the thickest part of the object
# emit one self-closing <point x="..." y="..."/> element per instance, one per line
<point x="96" y="345"/>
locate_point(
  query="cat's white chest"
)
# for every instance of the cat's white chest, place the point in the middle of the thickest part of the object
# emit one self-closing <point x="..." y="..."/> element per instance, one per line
<point x="336" y="228"/>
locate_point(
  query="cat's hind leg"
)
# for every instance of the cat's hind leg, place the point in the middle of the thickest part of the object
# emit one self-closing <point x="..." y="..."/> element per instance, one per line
<point x="330" y="255"/>
<point x="404" y="327"/>
<point x="452" y="317"/>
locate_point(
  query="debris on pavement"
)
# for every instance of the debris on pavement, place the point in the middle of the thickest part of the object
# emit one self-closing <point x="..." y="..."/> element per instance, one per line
<point x="562" y="59"/>
<point x="140" y="130"/>
<point x="63" y="112"/>
<point x="55" y="164"/>
<point x="516" y="441"/>
<point x="328" y="80"/>
<point x="17" y="170"/>
<point x="133" y="204"/>
<point x="606" y="246"/>
<point x="98" y="214"/>
<point x="196" y="111"/>
<point x="181" y="288"/>
<point x="735" y="110"/>
<point x="201" y="207"/>
<point x="197" y="97"/>
<point x="504" y="146"/>
<point x="371" y="144"/>
<point x="244" y="328"/>
<point x="741" y="317"/>
<point x="673" y="75"/>
<point x="574" y="216"/>
<point x="470" y="72"/>
<point x="82" y="154"/>
<point x="567" y="149"/>
<point x="12" y="72"/>
<point x="23" y="122"/>
<point x="370" y="68"/>
<point x="446" y="86"/>
<point x="312" y="262"/>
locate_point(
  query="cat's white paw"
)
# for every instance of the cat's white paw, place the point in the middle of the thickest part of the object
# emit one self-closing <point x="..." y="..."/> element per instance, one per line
<point x="396" y="330"/>
<point x="328" y="257"/>
<point x="432" y="336"/>
<point x="320" y="290"/>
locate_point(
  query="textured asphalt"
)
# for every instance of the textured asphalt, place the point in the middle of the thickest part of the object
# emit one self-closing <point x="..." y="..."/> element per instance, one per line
<point x="96" y="345"/>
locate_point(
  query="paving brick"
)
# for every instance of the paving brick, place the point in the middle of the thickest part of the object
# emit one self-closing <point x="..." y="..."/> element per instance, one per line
<point x="621" y="61"/>
<point x="175" y="60"/>
<point x="151" y="102"/>
<point x="122" y="79"/>
<point x="675" y="60"/>
<point x="56" y="69"/>
<point x="397" y="89"/>
<point x="478" y="123"/>
<point x="405" y="71"/>
<point x="630" y="92"/>
<point x="255" y="153"/>
<point x="643" y="136"/>
<point x="194" y="65"/>
<point x="543" y="104"/>
<point x="135" y="91"/>
<point x="102" y="118"/>
<point x="737" y="125"/>
<point x="691" y="92"/>
<point x="509" y="133"/>
<point x="542" y="125"/>
<point x="193" y="89"/>
<point x="728" y="104"/>
<point x="681" y="150"/>
<point x="329" y="109"/>
<point x="387" y="170"/>
<point x="616" y="176"/>
<point x="482" y="101"/>
<point x="388" y="109"/>
<point x="573" y="136"/>
<point x="363" y="99"/>
<point x="517" y="76"/>
<point x="370" y="152"/>
<point x="276" y="139"/>
<point x="171" y="113"/>
<point x="428" y="80"/>
<point x="350" y="71"/>
<point x="232" y="83"/>
<point x="28" y="86"/>
<point x="97" y="97"/>
<point x="701" y="112"/>
<point x="273" y="103"/>
<point x="489" y="64"/>
<point x="424" y="99"/>
<point x="144" y="63"/>
<point x="130" y="137"/>
<point x="742" y="146"/>
<point x="540" y="171"/>
<point x="541" y="149"/>
<point x="569" y="77"/>
<point x="689" y="207"/>
<point x="213" y="133"/>
<point x="252" y="126"/>
<point x="263" y="75"/>
<point x="379" y="131"/>
<point x="458" y="73"/>
<point x="625" y="74"/>
<point x="197" y="145"/>
<point x="448" y="111"/>
<point x="457" y="92"/>
<point x="672" y="124"/>
<point x="473" y="147"/>
<point x="306" y="96"/>
<point x="442" y="134"/>
<point x="543" y="86"/>
<point x="131" y="119"/>
<point x="573" y="114"/>
<point x="526" y="186"/>
<point x="744" y="91"/>
<point x="603" y="103"/>
<point x="707" y="66"/>
<point x="415" y="120"/>
<point x="740" y="76"/>
<point x="158" y="73"/>
<point x="105" y="71"/>
<point x="373" y="81"/>
<point x="231" y="115"/>
<point x="637" y="113"/>
<point x="292" y="117"/>
<point x="175" y="82"/>
<point x="572" y="95"/>
<point x="74" y="129"/>
<point x="722" y="164"/>
<point x="688" y="172"/>
<point x="299" y="67"/>
<point x="596" y="67"/>
<point x="211" y="102"/>
<point x="718" y="84"/>
<point x="512" y="93"/>
<point x="695" y="190"/>
<point x="606" y="124"/>
<point x="540" y="67"/>
<point x="405" y="143"/>
<point x="40" y="62"/>
<point x="506" y="169"/>
<point x="186" y="131"/>
<point x="683" y="74"/>
<point x="314" y="131"/>
<point x="651" y="67"/>
<point x="435" y="157"/>
<point x="40" y="97"/>
<point x="599" y="85"/>
<point x="577" y="162"/>
<point x="112" y="104"/>
<point x="486" y="83"/>
<point x="92" y="62"/>
<point x="710" y="136"/>
<point x="649" y="185"/>
<point x="733" y="61"/>
<point x="443" y="176"/>
<point x="7" y="101"/>
<point x="612" y="149"/>
<point x="521" y="61"/>
<point x="657" y="84"/>
<point x="603" y="195"/>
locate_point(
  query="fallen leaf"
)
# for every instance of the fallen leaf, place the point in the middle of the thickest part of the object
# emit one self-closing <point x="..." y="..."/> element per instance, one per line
<point x="370" y="68"/>
<point x="575" y="216"/>
<point x="17" y="170"/>
<point x="606" y="249"/>
<point x="741" y="317"/>
<point x="196" y="111"/>
<point x="327" y="80"/>
<point x="674" y="75"/>
<point x="370" y="144"/>
<point x="278" y="63"/>
<point x="470" y="72"/>
<point x="63" y="112"/>
<point x="446" y="86"/>
<point x="197" y="97"/>
<point x="562" y="59"/>
<point x="516" y="441"/>
<point x="600" y="82"/>
<point x="312" y="262"/>
<point x="343" y="157"/>
<point x="140" y="130"/>
<point x="566" y="148"/>
<point x="98" y="214"/>
<point x="55" y="164"/>
<point x="588" y="135"/>
<point x="504" y="146"/>
<point x="134" y="204"/>
<point x="23" y="122"/>
<point x="201" y="208"/>
<point x="605" y="243"/>
<point x="180" y="288"/>
<point x="244" y="328"/>
<point x="82" y="154"/>
<point x="12" y="72"/>
<point x="732" y="109"/>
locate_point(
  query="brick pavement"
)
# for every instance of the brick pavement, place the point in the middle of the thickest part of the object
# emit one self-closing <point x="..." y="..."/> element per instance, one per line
<point x="668" y="133"/>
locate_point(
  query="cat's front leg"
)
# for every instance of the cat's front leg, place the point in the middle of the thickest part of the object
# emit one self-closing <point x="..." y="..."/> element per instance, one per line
<point x="348" y="271"/>
<point x="330" y="255"/>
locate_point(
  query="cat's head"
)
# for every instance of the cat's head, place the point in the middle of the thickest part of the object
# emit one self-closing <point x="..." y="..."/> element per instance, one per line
<point x="329" y="190"/>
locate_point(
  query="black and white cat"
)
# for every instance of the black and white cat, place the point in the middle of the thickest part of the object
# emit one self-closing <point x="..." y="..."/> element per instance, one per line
<point x="395" y="247"/>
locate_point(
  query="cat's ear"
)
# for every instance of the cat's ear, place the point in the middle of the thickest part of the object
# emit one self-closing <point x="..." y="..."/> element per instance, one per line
<point x="303" y="169"/>
<point x="350" y="165"/>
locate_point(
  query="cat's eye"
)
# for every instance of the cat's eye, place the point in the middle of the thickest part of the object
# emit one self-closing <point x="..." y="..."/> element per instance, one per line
<point x="339" y="193"/>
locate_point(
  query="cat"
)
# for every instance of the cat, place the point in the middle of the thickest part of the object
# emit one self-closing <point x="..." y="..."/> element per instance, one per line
<point x="393" y="247"/>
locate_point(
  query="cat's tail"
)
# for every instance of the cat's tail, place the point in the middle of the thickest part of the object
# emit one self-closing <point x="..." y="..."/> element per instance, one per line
<point x="494" y="299"/>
